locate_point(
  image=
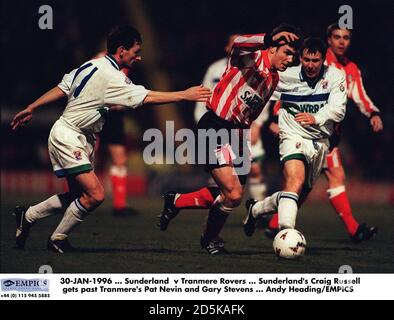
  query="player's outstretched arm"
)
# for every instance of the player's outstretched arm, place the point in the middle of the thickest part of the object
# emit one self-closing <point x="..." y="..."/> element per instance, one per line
<point x="24" y="116"/>
<point x="252" y="42"/>
<point x="197" y="93"/>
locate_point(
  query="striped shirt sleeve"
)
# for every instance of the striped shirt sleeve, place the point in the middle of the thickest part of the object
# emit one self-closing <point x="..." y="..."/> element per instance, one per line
<point x="360" y="97"/>
<point x="248" y="43"/>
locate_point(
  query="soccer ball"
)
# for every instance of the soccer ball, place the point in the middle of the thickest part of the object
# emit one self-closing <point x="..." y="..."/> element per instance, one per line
<point x="289" y="244"/>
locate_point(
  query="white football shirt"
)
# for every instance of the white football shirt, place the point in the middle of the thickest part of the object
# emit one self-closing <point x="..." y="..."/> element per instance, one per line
<point x="93" y="88"/>
<point x="325" y="98"/>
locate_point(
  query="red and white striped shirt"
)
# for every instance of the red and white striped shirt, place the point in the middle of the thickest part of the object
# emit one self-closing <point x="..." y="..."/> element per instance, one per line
<point x="247" y="84"/>
<point x="354" y="82"/>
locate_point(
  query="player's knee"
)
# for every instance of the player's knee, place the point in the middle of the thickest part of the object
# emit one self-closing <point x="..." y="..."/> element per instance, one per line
<point x="96" y="197"/>
<point x="234" y="198"/>
<point x="99" y="197"/>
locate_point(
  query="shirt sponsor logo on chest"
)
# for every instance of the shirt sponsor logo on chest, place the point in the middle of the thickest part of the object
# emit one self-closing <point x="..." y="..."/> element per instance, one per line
<point x="251" y="99"/>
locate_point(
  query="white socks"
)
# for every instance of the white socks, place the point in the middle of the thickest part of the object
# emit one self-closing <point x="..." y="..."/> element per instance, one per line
<point x="268" y="205"/>
<point x="72" y="217"/>
<point x="53" y="205"/>
<point x="286" y="203"/>
<point x="287" y="209"/>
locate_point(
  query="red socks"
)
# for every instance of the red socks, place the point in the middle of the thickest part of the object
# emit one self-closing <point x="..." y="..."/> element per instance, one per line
<point x="200" y="199"/>
<point x="119" y="186"/>
<point x="341" y="204"/>
<point x="274" y="224"/>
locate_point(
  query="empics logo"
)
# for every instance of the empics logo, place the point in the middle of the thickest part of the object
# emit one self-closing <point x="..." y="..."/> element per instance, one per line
<point x="8" y="283"/>
<point x="25" y="285"/>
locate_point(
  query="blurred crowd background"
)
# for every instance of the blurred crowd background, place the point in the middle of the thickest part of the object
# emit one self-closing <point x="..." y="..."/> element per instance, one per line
<point x="181" y="38"/>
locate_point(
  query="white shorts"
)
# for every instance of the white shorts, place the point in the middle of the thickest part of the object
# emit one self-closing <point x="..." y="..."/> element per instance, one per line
<point x="312" y="152"/>
<point x="257" y="151"/>
<point x="71" y="152"/>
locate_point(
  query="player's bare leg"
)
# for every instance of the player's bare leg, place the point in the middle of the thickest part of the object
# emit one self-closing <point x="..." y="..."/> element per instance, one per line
<point x="230" y="198"/>
<point x="91" y="195"/>
<point x="335" y="175"/>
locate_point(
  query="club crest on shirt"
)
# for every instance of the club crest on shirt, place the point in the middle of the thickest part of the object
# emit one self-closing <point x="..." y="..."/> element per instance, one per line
<point x="342" y="87"/>
<point x="324" y="84"/>
<point x="298" y="145"/>
<point x="77" y="155"/>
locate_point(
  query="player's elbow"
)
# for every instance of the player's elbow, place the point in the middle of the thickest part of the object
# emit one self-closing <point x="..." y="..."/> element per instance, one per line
<point x="154" y="97"/>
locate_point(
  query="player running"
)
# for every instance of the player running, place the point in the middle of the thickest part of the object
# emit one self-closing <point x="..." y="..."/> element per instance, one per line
<point x="91" y="90"/>
<point x="339" y="42"/>
<point x="313" y="99"/>
<point x="113" y="138"/>
<point x="238" y="99"/>
<point x="256" y="185"/>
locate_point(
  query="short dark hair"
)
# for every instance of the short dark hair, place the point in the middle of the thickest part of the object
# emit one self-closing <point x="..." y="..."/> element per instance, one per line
<point x="334" y="26"/>
<point x="124" y="35"/>
<point x="288" y="28"/>
<point x="314" y="45"/>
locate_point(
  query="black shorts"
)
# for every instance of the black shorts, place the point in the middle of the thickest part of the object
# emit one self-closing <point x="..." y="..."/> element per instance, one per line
<point x="225" y="147"/>
<point x="113" y="130"/>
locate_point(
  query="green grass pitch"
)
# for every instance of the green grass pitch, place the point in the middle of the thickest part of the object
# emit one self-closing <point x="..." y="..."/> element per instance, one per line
<point x="136" y="245"/>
